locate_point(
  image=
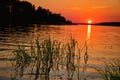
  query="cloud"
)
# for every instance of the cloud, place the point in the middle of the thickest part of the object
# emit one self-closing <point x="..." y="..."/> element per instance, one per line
<point x="76" y="8"/>
<point x="99" y="7"/>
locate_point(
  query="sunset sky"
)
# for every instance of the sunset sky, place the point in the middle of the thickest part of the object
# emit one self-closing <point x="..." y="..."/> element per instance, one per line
<point x="83" y="10"/>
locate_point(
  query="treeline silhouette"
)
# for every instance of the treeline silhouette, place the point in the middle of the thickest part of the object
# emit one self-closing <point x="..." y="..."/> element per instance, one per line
<point x="23" y="12"/>
<point x="108" y="23"/>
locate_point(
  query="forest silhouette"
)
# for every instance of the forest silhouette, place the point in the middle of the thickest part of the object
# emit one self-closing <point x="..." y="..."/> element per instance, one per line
<point x="23" y="12"/>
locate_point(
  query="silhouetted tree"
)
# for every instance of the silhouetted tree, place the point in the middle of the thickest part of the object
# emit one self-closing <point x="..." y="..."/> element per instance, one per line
<point x="23" y="12"/>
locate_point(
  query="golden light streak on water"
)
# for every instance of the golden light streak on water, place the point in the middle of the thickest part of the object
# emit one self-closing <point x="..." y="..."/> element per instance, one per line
<point x="88" y="32"/>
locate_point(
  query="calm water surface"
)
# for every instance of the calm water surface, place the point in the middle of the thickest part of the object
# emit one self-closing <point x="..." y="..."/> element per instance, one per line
<point x="103" y="44"/>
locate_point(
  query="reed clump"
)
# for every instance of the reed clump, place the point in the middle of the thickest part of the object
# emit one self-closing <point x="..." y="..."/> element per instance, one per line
<point x="42" y="57"/>
<point x="21" y="56"/>
<point x="111" y="69"/>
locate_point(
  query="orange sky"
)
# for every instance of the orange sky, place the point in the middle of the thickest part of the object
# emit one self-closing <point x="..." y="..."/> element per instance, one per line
<point x="83" y="10"/>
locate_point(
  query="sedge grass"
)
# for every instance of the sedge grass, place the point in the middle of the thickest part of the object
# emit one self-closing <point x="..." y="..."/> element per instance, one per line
<point x="49" y="55"/>
<point x="111" y="70"/>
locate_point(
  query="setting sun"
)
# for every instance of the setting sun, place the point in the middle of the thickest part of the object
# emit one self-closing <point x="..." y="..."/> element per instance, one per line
<point x="89" y="21"/>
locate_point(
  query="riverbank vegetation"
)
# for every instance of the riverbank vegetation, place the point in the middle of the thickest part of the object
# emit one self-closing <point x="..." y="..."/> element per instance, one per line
<point x="41" y="58"/>
<point x="23" y="12"/>
<point x="110" y="70"/>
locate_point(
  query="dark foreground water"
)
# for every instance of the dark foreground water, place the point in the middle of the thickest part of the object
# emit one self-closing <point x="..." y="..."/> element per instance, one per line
<point x="102" y="45"/>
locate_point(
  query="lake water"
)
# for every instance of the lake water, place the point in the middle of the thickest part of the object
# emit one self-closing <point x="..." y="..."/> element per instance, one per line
<point x="103" y="44"/>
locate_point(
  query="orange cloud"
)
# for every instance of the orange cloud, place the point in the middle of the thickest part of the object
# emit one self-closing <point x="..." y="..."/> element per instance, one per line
<point x="76" y="8"/>
<point x="99" y="7"/>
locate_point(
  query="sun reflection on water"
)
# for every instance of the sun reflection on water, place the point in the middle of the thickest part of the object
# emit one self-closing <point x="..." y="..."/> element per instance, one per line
<point x="88" y="32"/>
